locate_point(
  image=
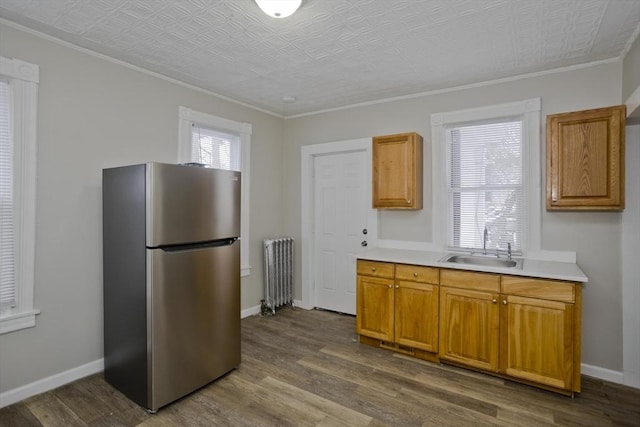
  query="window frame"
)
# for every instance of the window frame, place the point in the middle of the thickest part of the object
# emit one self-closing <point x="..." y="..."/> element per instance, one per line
<point x="23" y="80"/>
<point x="529" y="111"/>
<point x="187" y="117"/>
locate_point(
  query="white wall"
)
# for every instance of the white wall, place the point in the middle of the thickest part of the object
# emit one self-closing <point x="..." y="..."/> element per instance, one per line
<point x="631" y="267"/>
<point x="631" y="70"/>
<point x="594" y="236"/>
<point x="94" y="114"/>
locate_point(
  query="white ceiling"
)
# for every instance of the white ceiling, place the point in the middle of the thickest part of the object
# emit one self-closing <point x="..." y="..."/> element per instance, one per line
<point x="333" y="53"/>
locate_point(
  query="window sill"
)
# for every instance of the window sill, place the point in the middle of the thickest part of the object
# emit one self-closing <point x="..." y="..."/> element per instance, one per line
<point x="17" y="321"/>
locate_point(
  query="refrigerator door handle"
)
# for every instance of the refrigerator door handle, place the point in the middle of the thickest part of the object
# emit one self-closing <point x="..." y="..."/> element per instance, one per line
<point x="199" y="245"/>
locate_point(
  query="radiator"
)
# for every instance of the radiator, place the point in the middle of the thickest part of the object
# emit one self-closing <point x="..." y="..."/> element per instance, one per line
<point x="278" y="274"/>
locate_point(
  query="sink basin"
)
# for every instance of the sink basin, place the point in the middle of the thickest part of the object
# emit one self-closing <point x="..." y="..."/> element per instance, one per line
<point x="483" y="260"/>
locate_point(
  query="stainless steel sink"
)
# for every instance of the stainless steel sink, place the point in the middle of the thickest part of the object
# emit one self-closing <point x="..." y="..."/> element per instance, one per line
<point x="489" y="261"/>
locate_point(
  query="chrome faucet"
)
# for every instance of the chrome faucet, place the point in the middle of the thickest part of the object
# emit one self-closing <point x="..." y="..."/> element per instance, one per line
<point x="484" y="240"/>
<point x="509" y="250"/>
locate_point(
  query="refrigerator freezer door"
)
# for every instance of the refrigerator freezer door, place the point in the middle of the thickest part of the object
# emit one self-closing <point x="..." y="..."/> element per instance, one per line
<point x="194" y="319"/>
<point x="187" y="204"/>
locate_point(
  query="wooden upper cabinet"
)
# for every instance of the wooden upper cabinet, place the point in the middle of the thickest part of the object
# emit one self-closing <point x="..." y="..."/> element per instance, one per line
<point x="585" y="160"/>
<point x="397" y="171"/>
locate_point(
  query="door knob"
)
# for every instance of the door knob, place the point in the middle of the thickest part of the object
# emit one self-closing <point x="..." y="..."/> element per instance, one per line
<point x="363" y="243"/>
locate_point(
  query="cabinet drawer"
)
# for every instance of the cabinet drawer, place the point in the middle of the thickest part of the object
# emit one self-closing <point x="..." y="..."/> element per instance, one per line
<point x="470" y="280"/>
<point x="539" y="288"/>
<point x="376" y="268"/>
<point x="417" y="273"/>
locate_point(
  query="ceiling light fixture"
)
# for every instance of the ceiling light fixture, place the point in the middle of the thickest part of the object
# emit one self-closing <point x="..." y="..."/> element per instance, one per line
<point x="279" y="8"/>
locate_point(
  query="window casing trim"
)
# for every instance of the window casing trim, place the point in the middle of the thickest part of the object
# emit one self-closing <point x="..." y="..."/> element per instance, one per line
<point x="188" y="116"/>
<point x="529" y="110"/>
<point x="23" y="79"/>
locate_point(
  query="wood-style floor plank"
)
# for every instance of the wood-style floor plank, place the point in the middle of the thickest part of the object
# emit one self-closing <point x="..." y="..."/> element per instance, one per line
<point x="306" y="368"/>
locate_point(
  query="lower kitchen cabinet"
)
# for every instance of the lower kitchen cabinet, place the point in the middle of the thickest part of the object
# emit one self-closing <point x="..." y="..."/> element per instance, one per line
<point x="522" y="328"/>
<point x="374" y="307"/>
<point x="399" y="310"/>
<point x="540" y="335"/>
<point x="469" y="327"/>
<point x="416" y="315"/>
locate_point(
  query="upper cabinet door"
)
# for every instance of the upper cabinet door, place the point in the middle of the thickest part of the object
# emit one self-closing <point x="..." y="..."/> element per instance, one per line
<point x="397" y="171"/>
<point x="585" y="160"/>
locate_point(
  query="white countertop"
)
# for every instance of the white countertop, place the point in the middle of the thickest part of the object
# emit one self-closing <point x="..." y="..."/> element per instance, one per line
<point x="532" y="268"/>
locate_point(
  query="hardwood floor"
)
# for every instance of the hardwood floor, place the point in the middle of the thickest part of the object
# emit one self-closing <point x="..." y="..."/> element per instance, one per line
<point x="306" y="368"/>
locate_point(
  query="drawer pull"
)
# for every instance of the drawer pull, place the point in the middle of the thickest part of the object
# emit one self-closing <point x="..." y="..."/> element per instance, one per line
<point x="390" y="286"/>
<point x="415" y="274"/>
<point x="373" y="269"/>
<point x="397" y="286"/>
<point x="494" y="300"/>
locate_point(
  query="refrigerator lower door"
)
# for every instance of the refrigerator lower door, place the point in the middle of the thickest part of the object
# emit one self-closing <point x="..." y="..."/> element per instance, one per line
<point x="194" y="319"/>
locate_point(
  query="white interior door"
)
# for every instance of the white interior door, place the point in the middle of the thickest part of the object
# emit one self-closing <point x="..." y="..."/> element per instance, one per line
<point x="341" y="202"/>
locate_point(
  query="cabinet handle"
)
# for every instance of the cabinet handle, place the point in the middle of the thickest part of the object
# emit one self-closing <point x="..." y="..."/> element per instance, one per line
<point x="390" y="286"/>
<point x="397" y="286"/>
<point x="504" y="302"/>
<point x="373" y="269"/>
<point x="409" y="201"/>
<point x="415" y="274"/>
<point x="494" y="300"/>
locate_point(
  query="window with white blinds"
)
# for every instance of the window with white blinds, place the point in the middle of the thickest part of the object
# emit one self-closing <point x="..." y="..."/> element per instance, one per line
<point x="220" y="143"/>
<point x="18" y="108"/>
<point x="7" y="240"/>
<point x="215" y="149"/>
<point x="485" y="185"/>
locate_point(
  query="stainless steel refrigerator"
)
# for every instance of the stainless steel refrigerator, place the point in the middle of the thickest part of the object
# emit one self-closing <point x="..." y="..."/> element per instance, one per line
<point x="171" y="271"/>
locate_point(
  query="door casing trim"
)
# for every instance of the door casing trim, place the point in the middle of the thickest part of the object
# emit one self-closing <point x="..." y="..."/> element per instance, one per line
<point x="307" y="197"/>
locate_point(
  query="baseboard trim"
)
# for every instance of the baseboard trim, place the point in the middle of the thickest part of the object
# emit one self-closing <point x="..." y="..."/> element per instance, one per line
<point x="250" y="311"/>
<point x="602" y="373"/>
<point x="49" y="383"/>
<point x="257" y="308"/>
<point x="41" y="386"/>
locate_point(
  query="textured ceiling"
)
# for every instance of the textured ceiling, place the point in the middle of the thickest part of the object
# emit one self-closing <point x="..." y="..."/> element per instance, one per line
<point x="333" y="53"/>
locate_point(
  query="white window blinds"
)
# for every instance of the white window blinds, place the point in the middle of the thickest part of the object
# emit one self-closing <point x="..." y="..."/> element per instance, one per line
<point x="215" y="149"/>
<point x="7" y="261"/>
<point x="484" y="185"/>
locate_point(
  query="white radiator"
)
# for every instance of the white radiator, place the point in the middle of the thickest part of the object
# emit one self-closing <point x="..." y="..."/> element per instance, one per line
<point x="278" y="274"/>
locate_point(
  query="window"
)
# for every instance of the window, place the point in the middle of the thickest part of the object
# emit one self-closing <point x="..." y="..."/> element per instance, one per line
<point x="222" y="144"/>
<point x="487" y="175"/>
<point x="215" y="149"/>
<point x="7" y="263"/>
<point x="484" y="185"/>
<point x="18" y="95"/>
